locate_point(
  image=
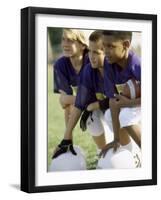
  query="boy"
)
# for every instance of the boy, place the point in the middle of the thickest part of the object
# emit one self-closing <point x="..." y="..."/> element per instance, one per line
<point x="124" y="113"/>
<point x="68" y="68"/>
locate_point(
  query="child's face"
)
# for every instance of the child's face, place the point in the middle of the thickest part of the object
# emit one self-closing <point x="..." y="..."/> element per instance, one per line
<point x="96" y="54"/>
<point x="70" y="46"/>
<point x="115" y="49"/>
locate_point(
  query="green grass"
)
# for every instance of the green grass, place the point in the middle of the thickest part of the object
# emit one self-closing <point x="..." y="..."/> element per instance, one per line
<point x="56" y="128"/>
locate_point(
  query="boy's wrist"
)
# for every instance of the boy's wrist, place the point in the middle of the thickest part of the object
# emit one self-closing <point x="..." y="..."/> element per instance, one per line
<point x="117" y="139"/>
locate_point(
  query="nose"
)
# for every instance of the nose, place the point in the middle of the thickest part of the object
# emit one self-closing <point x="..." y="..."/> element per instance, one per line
<point x="65" y="43"/>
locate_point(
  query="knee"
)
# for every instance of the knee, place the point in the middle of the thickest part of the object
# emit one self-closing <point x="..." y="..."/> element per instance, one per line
<point x="94" y="127"/>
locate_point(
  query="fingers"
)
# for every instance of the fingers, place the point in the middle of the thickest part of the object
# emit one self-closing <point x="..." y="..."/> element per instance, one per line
<point x="58" y="152"/>
<point x="83" y="120"/>
<point x="114" y="145"/>
<point x="72" y="150"/>
<point x="105" y="150"/>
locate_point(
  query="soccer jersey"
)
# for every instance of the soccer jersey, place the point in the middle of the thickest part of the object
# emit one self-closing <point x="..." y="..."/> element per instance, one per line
<point x="116" y="75"/>
<point x="91" y="87"/>
<point x="65" y="76"/>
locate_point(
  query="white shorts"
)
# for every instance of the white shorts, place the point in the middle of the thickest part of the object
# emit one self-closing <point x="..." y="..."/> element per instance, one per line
<point x="127" y="117"/>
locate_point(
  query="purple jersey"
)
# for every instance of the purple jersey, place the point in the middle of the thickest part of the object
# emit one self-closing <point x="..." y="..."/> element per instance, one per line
<point x="65" y="76"/>
<point x="91" y="87"/>
<point x="116" y="75"/>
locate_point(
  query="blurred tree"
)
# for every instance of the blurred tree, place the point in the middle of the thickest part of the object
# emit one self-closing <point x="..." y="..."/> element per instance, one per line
<point x="55" y="35"/>
<point x="54" y="41"/>
<point x="137" y="50"/>
<point x="50" y="51"/>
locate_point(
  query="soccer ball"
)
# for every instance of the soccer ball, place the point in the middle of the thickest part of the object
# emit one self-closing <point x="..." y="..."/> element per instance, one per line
<point x="132" y="89"/>
<point x="68" y="162"/>
<point x="121" y="159"/>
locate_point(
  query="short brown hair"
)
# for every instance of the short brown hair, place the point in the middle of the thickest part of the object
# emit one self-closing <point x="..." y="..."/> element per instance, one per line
<point x="123" y="35"/>
<point x="95" y="36"/>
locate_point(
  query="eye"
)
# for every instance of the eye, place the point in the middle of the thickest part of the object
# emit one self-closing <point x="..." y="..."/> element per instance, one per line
<point x="70" y="41"/>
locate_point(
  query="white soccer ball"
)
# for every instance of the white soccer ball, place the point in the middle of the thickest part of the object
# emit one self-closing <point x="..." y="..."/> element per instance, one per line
<point x="69" y="162"/>
<point x="121" y="159"/>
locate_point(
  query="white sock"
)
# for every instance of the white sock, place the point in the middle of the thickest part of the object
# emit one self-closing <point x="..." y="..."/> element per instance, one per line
<point x="128" y="146"/>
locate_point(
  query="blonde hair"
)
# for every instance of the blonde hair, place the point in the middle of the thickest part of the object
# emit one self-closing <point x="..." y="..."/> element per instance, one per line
<point x="77" y="35"/>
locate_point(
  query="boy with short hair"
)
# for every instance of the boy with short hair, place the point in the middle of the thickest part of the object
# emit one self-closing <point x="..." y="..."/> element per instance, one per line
<point x="91" y="82"/>
<point x="124" y="113"/>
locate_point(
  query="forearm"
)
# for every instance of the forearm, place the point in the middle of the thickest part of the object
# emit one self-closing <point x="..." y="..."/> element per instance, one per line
<point x="115" y="118"/>
<point x="132" y="103"/>
<point x="115" y="122"/>
<point x="75" y="115"/>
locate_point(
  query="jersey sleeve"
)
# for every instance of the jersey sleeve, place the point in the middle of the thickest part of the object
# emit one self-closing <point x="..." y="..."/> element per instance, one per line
<point x="61" y="81"/>
<point x="136" y="67"/>
<point x="85" y="94"/>
<point x="136" y="71"/>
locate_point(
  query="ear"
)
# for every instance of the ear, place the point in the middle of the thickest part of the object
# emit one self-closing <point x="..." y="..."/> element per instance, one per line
<point x="126" y="44"/>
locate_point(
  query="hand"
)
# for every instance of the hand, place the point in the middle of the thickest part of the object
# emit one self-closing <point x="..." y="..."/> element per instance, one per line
<point x="83" y="119"/>
<point x="120" y="101"/>
<point x="114" y="144"/>
<point x="63" y="147"/>
<point x="93" y="106"/>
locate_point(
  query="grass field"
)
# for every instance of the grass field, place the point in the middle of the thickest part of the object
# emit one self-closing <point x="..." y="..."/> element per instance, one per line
<point x="56" y="128"/>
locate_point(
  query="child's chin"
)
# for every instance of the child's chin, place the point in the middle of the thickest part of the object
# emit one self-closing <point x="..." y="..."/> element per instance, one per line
<point x="67" y="55"/>
<point x="94" y="67"/>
